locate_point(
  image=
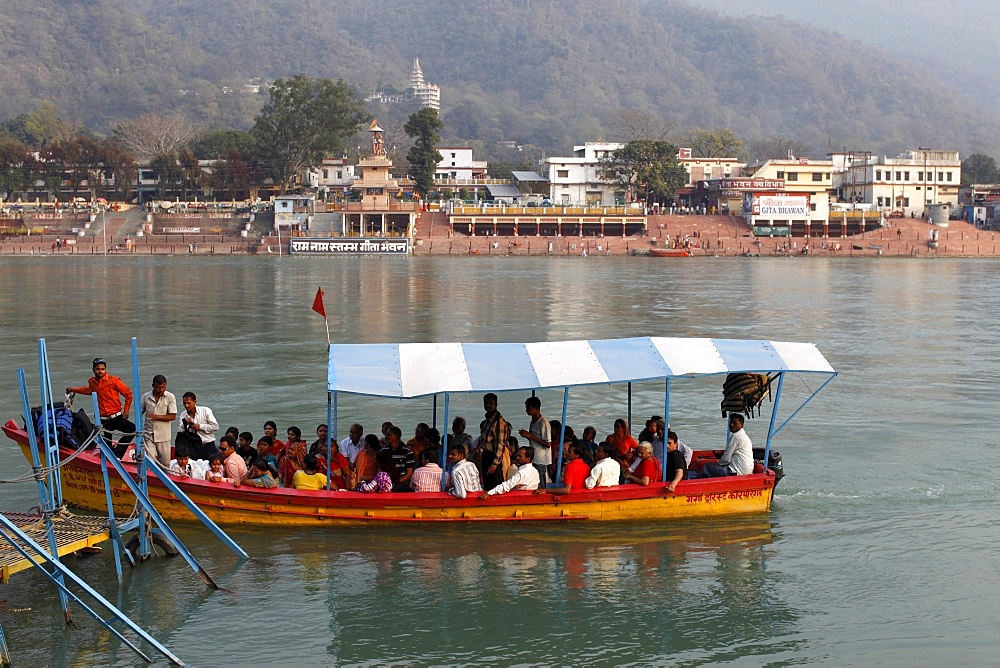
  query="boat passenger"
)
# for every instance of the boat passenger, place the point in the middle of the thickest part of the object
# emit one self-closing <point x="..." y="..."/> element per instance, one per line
<point x="575" y="472"/>
<point x="403" y="458"/>
<point x="339" y="468"/>
<point x="427" y="478"/>
<point x="587" y="440"/>
<point x="365" y="466"/>
<point x="385" y="430"/>
<point x="277" y="446"/>
<point x="676" y="466"/>
<point x="322" y="436"/>
<point x="458" y="435"/>
<point x="683" y="448"/>
<point x="200" y="425"/>
<point x="526" y="476"/>
<point x="606" y="471"/>
<point x="264" y="454"/>
<point x="185" y="467"/>
<point x="433" y="437"/>
<point x="737" y="459"/>
<point x="493" y="433"/>
<point x="215" y="472"/>
<point x="648" y="469"/>
<point x="114" y="415"/>
<point x="464" y="477"/>
<point x="259" y="475"/>
<point x="234" y="465"/>
<point x="308" y="477"/>
<point x="419" y="442"/>
<point x="649" y="432"/>
<point x="295" y="455"/>
<point x="234" y="432"/>
<point x="159" y="410"/>
<point x="386" y="476"/>
<point x="353" y="443"/>
<point x="539" y="435"/>
<point x="245" y="448"/>
<point x="623" y="442"/>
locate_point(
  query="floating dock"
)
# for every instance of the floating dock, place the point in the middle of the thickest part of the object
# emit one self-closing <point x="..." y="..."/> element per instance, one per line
<point x="73" y="533"/>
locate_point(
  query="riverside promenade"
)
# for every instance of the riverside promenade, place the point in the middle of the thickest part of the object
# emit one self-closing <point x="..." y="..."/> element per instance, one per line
<point x="712" y="236"/>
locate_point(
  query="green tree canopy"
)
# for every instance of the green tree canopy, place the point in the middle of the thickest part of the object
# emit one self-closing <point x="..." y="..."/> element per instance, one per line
<point x="717" y="143"/>
<point x="424" y="127"/>
<point x="979" y="168"/>
<point x="648" y="168"/>
<point x="305" y="120"/>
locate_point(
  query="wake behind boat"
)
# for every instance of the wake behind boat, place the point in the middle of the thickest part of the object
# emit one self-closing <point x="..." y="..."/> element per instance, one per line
<point x="414" y="370"/>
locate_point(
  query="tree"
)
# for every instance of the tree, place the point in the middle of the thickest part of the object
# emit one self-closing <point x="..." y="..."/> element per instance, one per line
<point x="979" y="168"/>
<point x="16" y="167"/>
<point x="776" y="148"/>
<point x="648" y="168"/>
<point x="304" y="121"/>
<point x="636" y="125"/>
<point x="423" y="126"/>
<point x="717" y="143"/>
<point x="153" y="135"/>
<point x="218" y="144"/>
<point x="41" y="127"/>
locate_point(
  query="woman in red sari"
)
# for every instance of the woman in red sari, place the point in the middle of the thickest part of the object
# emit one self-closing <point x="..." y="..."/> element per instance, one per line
<point x="277" y="446"/>
<point x="624" y="443"/>
<point x="340" y="469"/>
<point x="648" y="469"/>
<point x="295" y="456"/>
<point x="365" y="466"/>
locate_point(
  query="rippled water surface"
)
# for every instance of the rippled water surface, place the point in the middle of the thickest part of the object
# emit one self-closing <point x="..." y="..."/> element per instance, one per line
<point x="880" y="547"/>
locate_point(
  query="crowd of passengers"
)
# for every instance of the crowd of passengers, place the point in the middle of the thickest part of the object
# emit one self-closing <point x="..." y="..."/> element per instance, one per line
<point x="495" y="461"/>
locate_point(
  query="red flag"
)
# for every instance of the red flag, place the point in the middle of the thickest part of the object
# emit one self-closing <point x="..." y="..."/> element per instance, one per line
<point x="318" y="303"/>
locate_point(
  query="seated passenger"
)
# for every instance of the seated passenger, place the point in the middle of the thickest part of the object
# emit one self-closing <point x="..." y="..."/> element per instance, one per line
<point x="526" y="476"/>
<point x="575" y="472"/>
<point x="427" y="478"/>
<point x="339" y="468"/>
<point x="589" y="434"/>
<point x="295" y="456"/>
<point x="661" y="429"/>
<point x="458" y="435"/>
<point x="215" y="472"/>
<point x="259" y="475"/>
<point x="676" y="466"/>
<point x="271" y="431"/>
<point x="309" y="477"/>
<point x="737" y="459"/>
<point x="623" y="442"/>
<point x="385" y="477"/>
<point x="606" y="471"/>
<point x="245" y="448"/>
<point x="365" y="466"/>
<point x="648" y="469"/>
<point x="403" y="458"/>
<point x="464" y="473"/>
<point x="419" y="442"/>
<point x="184" y="466"/>
<point x="264" y="454"/>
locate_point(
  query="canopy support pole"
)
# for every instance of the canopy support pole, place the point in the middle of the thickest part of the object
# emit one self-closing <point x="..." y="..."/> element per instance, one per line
<point x="666" y="427"/>
<point x="331" y="429"/>
<point x="443" y="456"/>
<point x="434" y="413"/>
<point x="630" y="406"/>
<point x="774" y="417"/>
<point x="562" y="435"/>
<point x="811" y="397"/>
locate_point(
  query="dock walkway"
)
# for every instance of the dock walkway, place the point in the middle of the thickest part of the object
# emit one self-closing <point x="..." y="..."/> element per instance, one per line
<point x="73" y="533"/>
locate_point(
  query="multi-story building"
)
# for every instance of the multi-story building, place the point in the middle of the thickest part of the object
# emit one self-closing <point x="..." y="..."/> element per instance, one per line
<point x="793" y="196"/>
<point x="907" y="184"/>
<point x="428" y="94"/>
<point x="576" y="180"/>
<point x="457" y="164"/>
<point x="332" y="177"/>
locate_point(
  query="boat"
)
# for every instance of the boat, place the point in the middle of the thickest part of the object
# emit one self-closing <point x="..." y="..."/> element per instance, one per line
<point x="421" y="370"/>
<point x="669" y="252"/>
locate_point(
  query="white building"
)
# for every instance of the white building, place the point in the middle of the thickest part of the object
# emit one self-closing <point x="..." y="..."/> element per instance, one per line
<point x="428" y="94"/>
<point x="332" y="175"/>
<point x="906" y="184"/>
<point x="804" y="180"/>
<point x="457" y="164"/>
<point x="576" y="181"/>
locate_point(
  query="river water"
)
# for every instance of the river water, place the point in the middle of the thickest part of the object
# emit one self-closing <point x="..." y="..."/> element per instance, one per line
<point x="880" y="547"/>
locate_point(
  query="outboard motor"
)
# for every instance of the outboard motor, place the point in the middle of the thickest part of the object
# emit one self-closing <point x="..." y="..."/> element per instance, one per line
<point x="773" y="462"/>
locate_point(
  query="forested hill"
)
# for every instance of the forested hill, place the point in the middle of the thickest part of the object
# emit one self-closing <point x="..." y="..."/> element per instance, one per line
<point x="545" y="72"/>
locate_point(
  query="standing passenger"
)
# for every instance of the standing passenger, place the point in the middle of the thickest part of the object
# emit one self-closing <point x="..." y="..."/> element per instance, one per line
<point x="539" y="433"/>
<point x="159" y="410"/>
<point x="493" y="434"/>
<point x="114" y="416"/>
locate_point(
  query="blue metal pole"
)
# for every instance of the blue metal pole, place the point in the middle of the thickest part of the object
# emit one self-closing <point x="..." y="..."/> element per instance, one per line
<point x="796" y="411"/>
<point x="4" y="652"/>
<point x="666" y="427"/>
<point x="434" y="413"/>
<point x="51" y="440"/>
<point x="443" y="455"/>
<point x="116" y="538"/>
<point x="331" y="435"/>
<point x="58" y="581"/>
<point x="774" y="416"/>
<point x="562" y="435"/>
<point x="145" y="549"/>
<point x="630" y="406"/>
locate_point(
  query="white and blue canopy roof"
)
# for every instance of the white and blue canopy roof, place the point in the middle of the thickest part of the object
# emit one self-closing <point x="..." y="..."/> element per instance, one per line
<point x="406" y="370"/>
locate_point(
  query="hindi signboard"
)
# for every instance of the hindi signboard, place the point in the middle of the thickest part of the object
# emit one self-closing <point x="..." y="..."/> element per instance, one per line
<point x="349" y="246"/>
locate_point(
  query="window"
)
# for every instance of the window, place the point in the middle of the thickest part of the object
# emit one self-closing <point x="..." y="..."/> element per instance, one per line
<point x="899" y="176"/>
<point x="948" y="174"/>
<point x="880" y="201"/>
<point x="793" y="176"/>
<point x="817" y="176"/>
<point x="781" y="175"/>
<point x="906" y="201"/>
<point x="453" y="155"/>
<point x="340" y="174"/>
<point x="326" y="175"/>
<point x="812" y="207"/>
<point x="562" y="173"/>
<point x="906" y="176"/>
<point x="878" y="174"/>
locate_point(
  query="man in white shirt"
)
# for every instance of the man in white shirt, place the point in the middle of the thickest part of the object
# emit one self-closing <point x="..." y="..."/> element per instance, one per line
<point x="159" y="409"/>
<point x="185" y="467"/>
<point x="738" y="456"/>
<point x="464" y="474"/>
<point x="539" y="434"/>
<point x="526" y="476"/>
<point x="606" y="471"/>
<point x="353" y="443"/>
<point x="199" y="421"/>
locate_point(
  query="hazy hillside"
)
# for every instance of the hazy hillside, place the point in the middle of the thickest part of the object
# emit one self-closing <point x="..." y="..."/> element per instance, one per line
<point x="545" y="72"/>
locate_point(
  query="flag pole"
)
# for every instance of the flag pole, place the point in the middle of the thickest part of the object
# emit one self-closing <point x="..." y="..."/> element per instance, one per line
<point x="321" y="309"/>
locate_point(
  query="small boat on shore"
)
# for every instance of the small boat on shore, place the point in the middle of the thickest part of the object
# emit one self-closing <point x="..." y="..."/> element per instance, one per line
<point x="669" y="252"/>
<point x="413" y="370"/>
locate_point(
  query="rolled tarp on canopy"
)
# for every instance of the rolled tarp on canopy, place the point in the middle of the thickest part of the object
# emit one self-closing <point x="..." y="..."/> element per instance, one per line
<point x="406" y="370"/>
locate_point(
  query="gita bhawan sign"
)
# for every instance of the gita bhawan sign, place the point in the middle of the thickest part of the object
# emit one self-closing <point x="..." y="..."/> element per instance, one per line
<point x="362" y="246"/>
